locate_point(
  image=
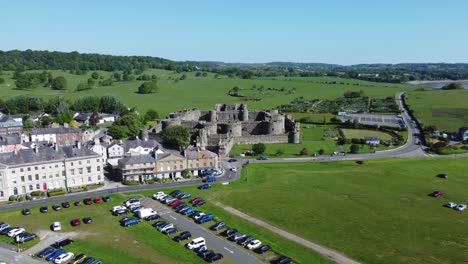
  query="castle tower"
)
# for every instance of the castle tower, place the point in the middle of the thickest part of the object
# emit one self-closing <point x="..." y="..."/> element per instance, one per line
<point x="213" y="116"/>
<point x="244" y="113"/>
<point x="297" y="133"/>
<point x="235" y="129"/>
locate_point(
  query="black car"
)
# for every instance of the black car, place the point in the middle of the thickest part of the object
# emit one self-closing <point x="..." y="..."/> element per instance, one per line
<point x="214" y="257"/>
<point x="26" y="211"/>
<point x="152" y="217"/>
<point x="6" y="230"/>
<point x="44" y="209"/>
<point x="175" y="193"/>
<point x="106" y="199"/>
<point x="262" y="249"/>
<point x="160" y="223"/>
<point x="25" y="237"/>
<point x="66" y="204"/>
<point x="283" y="260"/>
<point x="78" y="203"/>
<point x="120" y="212"/>
<point x="232" y="160"/>
<point x="62" y="243"/>
<point x="56" y="207"/>
<point x="229" y="232"/>
<point x="205" y="253"/>
<point x="88" y="260"/>
<point x="170" y="231"/>
<point x="218" y="226"/>
<point x="182" y="236"/>
<point x="87" y="220"/>
<point x="179" y="206"/>
<point x="244" y="241"/>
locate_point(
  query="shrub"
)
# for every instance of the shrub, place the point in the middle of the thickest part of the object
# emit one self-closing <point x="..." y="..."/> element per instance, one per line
<point x="20" y="199"/>
<point x="304" y="152"/>
<point x="321" y="151"/>
<point x="151" y="181"/>
<point x="359" y="162"/>
<point x="37" y="193"/>
<point x="12" y="198"/>
<point x="354" y="149"/>
<point x="356" y="141"/>
<point x="56" y="192"/>
<point x="130" y="182"/>
<point x="279" y="152"/>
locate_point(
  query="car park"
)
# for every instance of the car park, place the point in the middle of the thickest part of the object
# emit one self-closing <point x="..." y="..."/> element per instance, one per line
<point x="62" y="243"/>
<point x="26" y="211"/>
<point x="16" y="231"/>
<point x="283" y="260"/>
<point x="66" y="204"/>
<point x="131" y="221"/>
<point x="229" y="232"/>
<point x="437" y="194"/>
<point x="55" y="254"/>
<point x="215" y="257"/>
<point x="244" y="241"/>
<point x="87" y="220"/>
<point x="25" y="237"/>
<point x="254" y="244"/>
<point x="106" y="199"/>
<point x="56" y="226"/>
<point x="75" y="222"/>
<point x="56" y="207"/>
<point x="195" y="243"/>
<point x="44" y="209"/>
<point x="218" y="226"/>
<point x="170" y="231"/>
<point x="78" y="258"/>
<point x="460" y="207"/>
<point x="46" y="251"/>
<point x="199" y="203"/>
<point x="237" y="236"/>
<point x="64" y="258"/>
<point x="77" y="203"/>
<point x="204" y="186"/>
<point x="97" y="200"/>
<point x="451" y="205"/>
<point x="262" y="249"/>
<point x="88" y="201"/>
<point x="182" y="236"/>
<point x="165" y="227"/>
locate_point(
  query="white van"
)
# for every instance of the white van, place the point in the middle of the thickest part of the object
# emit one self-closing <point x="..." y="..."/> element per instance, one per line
<point x="196" y="243"/>
<point x="145" y="212"/>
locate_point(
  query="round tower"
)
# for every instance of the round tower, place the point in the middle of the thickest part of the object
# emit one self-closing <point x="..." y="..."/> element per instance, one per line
<point x="297" y="133"/>
<point x="244" y="113"/>
<point x="213" y="116"/>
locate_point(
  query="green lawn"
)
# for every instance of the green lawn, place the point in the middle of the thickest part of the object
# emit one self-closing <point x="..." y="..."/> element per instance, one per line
<point x="313" y="138"/>
<point x="204" y="92"/>
<point x="447" y="110"/>
<point x="379" y="212"/>
<point x="362" y="133"/>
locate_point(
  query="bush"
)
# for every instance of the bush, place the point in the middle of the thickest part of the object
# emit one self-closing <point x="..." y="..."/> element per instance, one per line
<point x="356" y="141"/>
<point x="20" y="199"/>
<point x="259" y="148"/>
<point x="37" y="193"/>
<point x="131" y="183"/>
<point x="151" y="181"/>
<point x="279" y="152"/>
<point x="354" y="149"/>
<point x="56" y="192"/>
<point x="359" y="162"/>
<point x="304" y="152"/>
<point x="12" y="198"/>
<point x="321" y="151"/>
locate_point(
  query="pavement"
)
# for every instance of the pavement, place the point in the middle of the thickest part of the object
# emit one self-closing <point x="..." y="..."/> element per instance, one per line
<point x="9" y="255"/>
<point x="214" y="242"/>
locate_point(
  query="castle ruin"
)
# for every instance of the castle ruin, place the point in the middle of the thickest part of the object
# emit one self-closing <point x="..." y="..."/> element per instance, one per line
<point x="228" y="124"/>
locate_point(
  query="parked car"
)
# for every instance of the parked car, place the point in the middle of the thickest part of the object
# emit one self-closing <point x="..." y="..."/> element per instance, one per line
<point x="44" y="209"/>
<point x="195" y="243"/>
<point x="180" y="206"/>
<point x="233" y="169"/>
<point x="205" y="254"/>
<point x="16" y="231"/>
<point x="152" y="217"/>
<point x="87" y="220"/>
<point x="185" y="196"/>
<point x="254" y="244"/>
<point x="218" y="226"/>
<point x="194" y="200"/>
<point x="174" y="193"/>
<point x="64" y="258"/>
<point x="162" y="197"/>
<point x="168" y="200"/>
<point x="460" y="207"/>
<point x="182" y="236"/>
<point x="262" y="249"/>
<point x="66" y="204"/>
<point x="88" y="201"/>
<point x="46" y="251"/>
<point x="106" y="199"/>
<point x="232" y="160"/>
<point x="75" y="222"/>
<point x="229" y="232"/>
<point x="170" y="231"/>
<point x="3" y="226"/>
<point x="198" y="215"/>
<point x="56" y="207"/>
<point x="182" y="209"/>
<point x="199" y="203"/>
<point x="158" y="195"/>
<point x="55" y="254"/>
<point x="437" y="194"/>
<point x="175" y="203"/>
<point x="118" y="207"/>
<point x="283" y="260"/>
<point x="237" y="236"/>
<point x="131" y="201"/>
<point x="200" y="249"/>
<point x="131" y="221"/>
<point x="56" y="226"/>
<point x="451" y="205"/>
<point x="62" y="243"/>
<point x="157" y="224"/>
<point x="120" y="212"/>
<point x="244" y="241"/>
<point x="7" y="230"/>
<point x="204" y="186"/>
<point x="96" y="262"/>
<point x="214" y="257"/>
<point x="97" y="200"/>
<point x="179" y="196"/>
<point x="204" y="219"/>
<point x="26" y="211"/>
<point x="165" y="227"/>
<point x="77" y="203"/>
<point x="210" y="178"/>
<point x="443" y="176"/>
<point x="79" y="258"/>
<point x="88" y="260"/>
<point x="189" y="211"/>
<point x="25" y="237"/>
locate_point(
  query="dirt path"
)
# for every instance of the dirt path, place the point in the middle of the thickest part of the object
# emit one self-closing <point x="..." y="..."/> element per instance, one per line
<point x="328" y="253"/>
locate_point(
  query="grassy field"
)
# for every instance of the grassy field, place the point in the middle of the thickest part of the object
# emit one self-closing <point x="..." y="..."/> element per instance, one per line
<point x="314" y="117"/>
<point x="204" y="92"/>
<point x="379" y="212"/>
<point x="447" y="110"/>
<point x="105" y="239"/>
<point x="362" y="133"/>
<point x="313" y="138"/>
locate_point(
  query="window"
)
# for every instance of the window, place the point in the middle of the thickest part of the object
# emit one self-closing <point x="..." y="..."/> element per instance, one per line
<point x="44" y="176"/>
<point x="72" y="171"/>
<point x="204" y="164"/>
<point x="89" y="178"/>
<point x="21" y="170"/>
<point x="88" y="169"/>
<point x="30" y="187"/>
<point x="22" y="178"/>
<point x="13" y="180"/>
<point x="35" y="167"/>
<point x="56" y="165"/>
<point x="29" y="169"/>
<point x="72" y="163"/>
<point x="37" y="177"/>
<point x="79" y="162"/>
<point x="98" y="168"/>
<point x="88" y="161"/>
<point x="43" y="167"/>
<point x="175" y="167"/>
<point x="181" y="166"/>
<point x="99" y="177"/>
<point x="50" y="176"/>
<point x="80" y="170"/>
<point x="38" y="186"/>
<point x="97" y="160"/>
<point x="29" y="177"/>
<point x="13" y="171"/>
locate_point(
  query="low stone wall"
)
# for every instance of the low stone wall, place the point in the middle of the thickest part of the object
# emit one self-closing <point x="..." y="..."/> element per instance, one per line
<point x="262" y="139"/>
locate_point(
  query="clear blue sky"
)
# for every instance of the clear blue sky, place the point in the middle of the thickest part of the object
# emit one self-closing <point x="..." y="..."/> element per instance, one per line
<point x="330" y="31"/>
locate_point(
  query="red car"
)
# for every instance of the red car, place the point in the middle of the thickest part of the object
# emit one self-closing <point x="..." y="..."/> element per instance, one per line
<point x="76" y="222"/>
<point x="97" y="200"/>
<point x="195" y="200"/>
<point x="437" y="194"/>
<point x="175" y="203"/>
<point x="88" y="201"/>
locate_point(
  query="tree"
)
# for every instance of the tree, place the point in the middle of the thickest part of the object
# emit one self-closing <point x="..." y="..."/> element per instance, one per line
<point x="148" y="87"/>
<point x="453" y="86"/>
<point x="95" y="75"/>
<point x="91" y="83"/>
<point x="64" y="117"/>
<point x="304" y="152"/>
<point x="2" y="80"/>
<point x="176" y="136"/>
<point x="259" y="148"/>
<point x="354" y="149"/>
<point x="109" y="104"/>
<point x="117" y="76"/>
<point x="87" y="104"/>
<point x="118" y="132"/>
<point x="59" y="83"/>
<point x="73" y="124"/>
<point x="94" y="119"/>
<point x="133" y="122"/>
<point x="321" y="151"/>
<point x="82" y="87"/>
<point x="151" y="115"/>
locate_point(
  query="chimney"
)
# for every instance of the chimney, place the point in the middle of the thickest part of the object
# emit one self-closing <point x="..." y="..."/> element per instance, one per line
<point x="55" y="146"/>
<point x="78" y="144"/>
<point x="36" y="148"/>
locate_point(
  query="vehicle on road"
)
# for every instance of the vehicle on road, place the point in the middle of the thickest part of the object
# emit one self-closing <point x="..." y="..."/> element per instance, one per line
<point x="437" y="194"/>
<point x="204" y="186"/>
<point x="262" y="158"/>
<point x="62" y="243"/>
<point x="75" y="222"/>
<point x="254" y="244"/>
<point x="195" y="243"/>
<point x="218" y="226"/>
<point x="451" y="205"/>
<point x="56" y="226"/>
<point x="64" y="258"/>
<point x="46" y="251"/>
<point x="182" y="236"/>
<point x="460" y="207"/>
<point x="232" y="160"/>
<point x="26" y="211"/>
<point x="210" y="178"/>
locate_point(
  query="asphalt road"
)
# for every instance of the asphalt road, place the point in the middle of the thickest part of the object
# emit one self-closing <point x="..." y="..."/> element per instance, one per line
<point x="213" y="242"/>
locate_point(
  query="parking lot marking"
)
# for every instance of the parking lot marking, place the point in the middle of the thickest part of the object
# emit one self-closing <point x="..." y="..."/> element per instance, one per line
<point x="173" y="217"/>
<point x="230" y="251"/>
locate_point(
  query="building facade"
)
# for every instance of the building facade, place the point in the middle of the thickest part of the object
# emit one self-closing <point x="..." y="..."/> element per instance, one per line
<point x="10" y="126"/>
<point x="62" y="136"/>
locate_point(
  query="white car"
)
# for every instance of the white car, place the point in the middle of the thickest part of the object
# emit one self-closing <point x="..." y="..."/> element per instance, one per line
<point x="130" y="202"/>
<point x="56" y="226"/>
<point x="169" y="200"/>
<point x="64" y="258"/>
<point x="196" y="243"/>
<point x="254" y="244"/>
<point x="165" y="227"/>
<point x="451" y="205"/>
<point x="460" y="207"/>
<point x="199" y="216"/>
<point x="158" y="194"/>
<point x="15" y="232"/>
<point x="162" y="197"/>
<point x="118" y="208"/>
